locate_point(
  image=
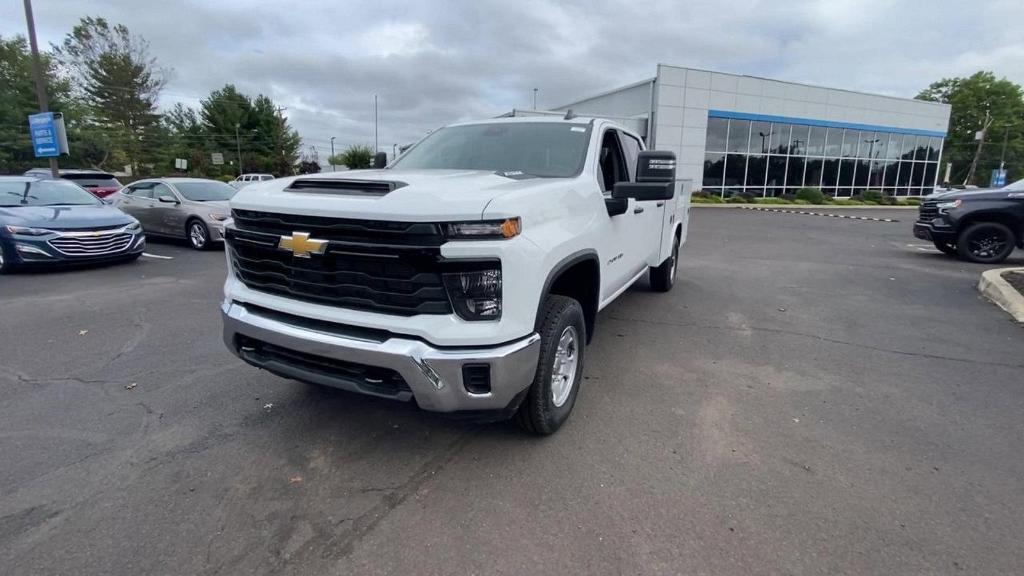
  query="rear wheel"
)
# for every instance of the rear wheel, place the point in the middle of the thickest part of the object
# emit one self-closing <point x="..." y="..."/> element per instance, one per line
<point x="198" y="235"/>
<point x="986" y="242"/>
<point x="945" y="247"/>
<point x="552" y="395"/>
<point x="664" y="276"/>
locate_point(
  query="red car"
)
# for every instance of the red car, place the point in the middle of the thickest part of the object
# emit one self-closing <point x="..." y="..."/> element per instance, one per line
<point x="101" y="184"/>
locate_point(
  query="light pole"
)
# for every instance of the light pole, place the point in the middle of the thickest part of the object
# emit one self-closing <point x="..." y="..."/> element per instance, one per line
<point x="534" y="98"/>
<point x="763" y="136"/>
<point x="238" y="148"/>
<point x="375" y="145"/>
<point x="331" y="159"/>
<point x="1006" y="139"/>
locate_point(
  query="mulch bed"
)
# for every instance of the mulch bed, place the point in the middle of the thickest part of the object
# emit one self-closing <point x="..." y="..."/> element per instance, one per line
<point x="1016" y="279"/>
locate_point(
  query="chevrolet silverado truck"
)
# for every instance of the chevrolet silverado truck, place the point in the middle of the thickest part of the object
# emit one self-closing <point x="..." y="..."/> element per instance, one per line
<point x="467" y="276"/>
<point x="980" y="226"/>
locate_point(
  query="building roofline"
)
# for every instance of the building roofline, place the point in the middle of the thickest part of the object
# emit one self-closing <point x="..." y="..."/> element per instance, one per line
<point x="607" y="92"/>
<point x="858" y="92"/>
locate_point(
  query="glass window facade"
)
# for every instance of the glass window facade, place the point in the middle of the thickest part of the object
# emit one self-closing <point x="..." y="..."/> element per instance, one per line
<point x="771" y="159"/>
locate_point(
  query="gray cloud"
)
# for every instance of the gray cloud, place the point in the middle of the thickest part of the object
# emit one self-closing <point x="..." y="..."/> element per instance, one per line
<point x="434" y="62"/>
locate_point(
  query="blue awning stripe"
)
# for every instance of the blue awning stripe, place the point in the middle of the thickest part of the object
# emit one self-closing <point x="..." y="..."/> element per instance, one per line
<point x="825" y="123"/>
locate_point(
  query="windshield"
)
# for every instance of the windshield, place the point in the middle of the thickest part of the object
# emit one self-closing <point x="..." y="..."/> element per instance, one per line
<point x="542" y="149"/>
<point x="1017" y="186"/>
<point x="93" y="180"/>
<point x="205" y="191"/>
<point x="44" y="193"/>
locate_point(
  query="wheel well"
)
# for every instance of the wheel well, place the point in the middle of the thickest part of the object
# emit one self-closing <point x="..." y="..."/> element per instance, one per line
<point x="1005" y="219"/>
<point x="581" y="281"/>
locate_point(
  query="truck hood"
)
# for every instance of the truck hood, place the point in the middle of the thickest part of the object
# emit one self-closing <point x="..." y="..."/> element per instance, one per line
<point x="970" y="195"/>
<point x="419" y="195"/>
<point x="64" y="217"/>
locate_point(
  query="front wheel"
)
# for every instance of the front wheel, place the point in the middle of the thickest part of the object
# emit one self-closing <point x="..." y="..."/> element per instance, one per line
<point x="563" y="336"/>
<point x="986" y="242"/>
<point x="664" y="276"/>
<point x="6" y="263"/>
<point x="198" y="235"/>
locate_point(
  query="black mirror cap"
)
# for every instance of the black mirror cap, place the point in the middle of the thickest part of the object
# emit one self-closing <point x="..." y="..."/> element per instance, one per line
<point x="616" y="206"/>
<point x="656" y="166"/>
<point x="644" y="191"/>
<point x="380" y="160"/>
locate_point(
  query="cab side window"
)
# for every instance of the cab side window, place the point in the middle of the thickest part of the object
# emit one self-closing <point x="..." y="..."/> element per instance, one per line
<point x="143" y="190"/>
<point x="161" y="190"/>
<point x="630" y="151"/>
<point x="611" y="164"/>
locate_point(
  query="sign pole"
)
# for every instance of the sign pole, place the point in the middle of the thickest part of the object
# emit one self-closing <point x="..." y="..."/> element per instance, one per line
<point x="37" y="71"/>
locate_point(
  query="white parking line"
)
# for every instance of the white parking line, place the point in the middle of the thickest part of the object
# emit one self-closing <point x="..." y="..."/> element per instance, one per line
<point x="158" y="256"/>
<point x="924" y="248"/>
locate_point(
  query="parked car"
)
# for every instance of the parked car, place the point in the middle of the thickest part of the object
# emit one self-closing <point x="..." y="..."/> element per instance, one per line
<point x="466" y="276"/>
<point x="190" y="208"/>
<point x="47" y="222"/>
<point x="978" y="225"/>
<point x="101" y="184"/>
<point x="246" y="179"/>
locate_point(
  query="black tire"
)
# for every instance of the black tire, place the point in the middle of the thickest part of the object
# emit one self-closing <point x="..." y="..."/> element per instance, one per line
<point x="663" y="277"/>
<point x="196" y="226"/>
<point x="945" y="247"/>
<point x="6" y="263"/>
<point x="986" y="242"/>
<point x="539" y="413"/>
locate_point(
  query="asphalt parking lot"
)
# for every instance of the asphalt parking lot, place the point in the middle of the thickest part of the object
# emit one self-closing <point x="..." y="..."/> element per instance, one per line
<point x="816" y="396"/>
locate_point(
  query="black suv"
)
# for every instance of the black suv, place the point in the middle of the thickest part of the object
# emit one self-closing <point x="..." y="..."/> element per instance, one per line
<point x="979" y="225"/>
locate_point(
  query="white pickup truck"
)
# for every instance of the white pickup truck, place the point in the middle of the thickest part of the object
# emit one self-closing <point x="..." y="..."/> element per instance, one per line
<point x="467" y="276"/>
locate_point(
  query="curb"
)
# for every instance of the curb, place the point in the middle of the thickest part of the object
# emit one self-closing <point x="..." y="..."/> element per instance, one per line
<point x="995" y="288"/>
<point x="758" y="209"/>
<point x="814" y="206"/>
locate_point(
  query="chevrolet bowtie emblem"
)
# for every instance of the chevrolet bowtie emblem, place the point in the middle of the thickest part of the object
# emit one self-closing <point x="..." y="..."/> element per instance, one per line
<point x="301" y="245"/>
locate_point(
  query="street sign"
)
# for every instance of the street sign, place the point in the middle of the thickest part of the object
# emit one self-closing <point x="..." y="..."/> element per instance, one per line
<point x="218" y="158"/>
<point x="45" y="143"/>
<point x="181" y="164"/>
<point x="998" y="178"/>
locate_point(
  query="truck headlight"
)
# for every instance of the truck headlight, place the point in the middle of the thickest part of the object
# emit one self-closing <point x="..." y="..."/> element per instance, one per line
<point x="948" y="205"/>
<point x="483" y="229"/>
<point x="475" y="295"/>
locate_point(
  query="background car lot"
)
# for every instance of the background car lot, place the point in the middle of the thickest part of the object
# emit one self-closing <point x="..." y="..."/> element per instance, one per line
<point x="817" y="396"/>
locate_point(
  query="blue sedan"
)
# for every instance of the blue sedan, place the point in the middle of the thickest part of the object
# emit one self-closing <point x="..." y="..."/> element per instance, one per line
<point x="46" y="222"/>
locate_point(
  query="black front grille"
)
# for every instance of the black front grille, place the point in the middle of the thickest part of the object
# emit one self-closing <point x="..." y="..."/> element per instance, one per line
<point x="928" y="211"/>
<point x="369" y="378"/>
<point x="388" y="267"/>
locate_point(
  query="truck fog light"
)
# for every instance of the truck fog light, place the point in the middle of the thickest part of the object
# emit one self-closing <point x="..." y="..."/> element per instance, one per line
<point x="475" y="295"/>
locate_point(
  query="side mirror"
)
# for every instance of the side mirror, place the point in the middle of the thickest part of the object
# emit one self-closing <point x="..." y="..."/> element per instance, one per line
<point x="380" y="160"/>
<point x="168" y="199"/>
<point x="655" y="177"/>
<point x="616" y="206"/>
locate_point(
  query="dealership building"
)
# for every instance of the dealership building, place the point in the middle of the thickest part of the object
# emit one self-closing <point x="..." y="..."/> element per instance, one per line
<point x="741" y="134"/>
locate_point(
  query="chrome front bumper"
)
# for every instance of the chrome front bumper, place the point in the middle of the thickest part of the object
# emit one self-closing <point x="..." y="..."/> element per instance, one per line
<point x="433" y="375"/>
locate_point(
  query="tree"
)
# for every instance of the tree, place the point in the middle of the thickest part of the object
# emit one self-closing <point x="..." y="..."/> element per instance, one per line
<point x="113" y="73"/>
<point x="267" y="142"/>
<point x="18" y="100"/>
<point x="970" y="98"/>
<point x="355" y="157"/>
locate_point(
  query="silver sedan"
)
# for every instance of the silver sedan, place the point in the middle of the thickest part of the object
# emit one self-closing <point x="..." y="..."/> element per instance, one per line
<point x="190" y="208"/>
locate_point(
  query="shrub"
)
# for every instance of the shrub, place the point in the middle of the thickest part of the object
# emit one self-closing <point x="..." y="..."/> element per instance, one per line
<point x="810" y="195"/>
<point x="911" y="201"/>
<point x="705" y="199"/>
<point x="741" y="198"/>
<point x="873" y="196"/>
<point x="771" y="200"/>
<point x="801" y="201"/>
<point x="226" y="178"/>
<point x="847" y="202"/>
<point x="788" y="197"/>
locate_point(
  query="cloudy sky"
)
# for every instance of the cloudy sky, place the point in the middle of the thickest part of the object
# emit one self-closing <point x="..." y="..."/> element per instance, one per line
<point x="433" y="62"/>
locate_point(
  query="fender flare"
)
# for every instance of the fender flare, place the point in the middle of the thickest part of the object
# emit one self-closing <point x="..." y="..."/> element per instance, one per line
<point x="563" y="265"/>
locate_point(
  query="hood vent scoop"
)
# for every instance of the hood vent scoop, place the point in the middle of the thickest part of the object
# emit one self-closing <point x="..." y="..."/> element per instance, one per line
<point x="344" y="187"/>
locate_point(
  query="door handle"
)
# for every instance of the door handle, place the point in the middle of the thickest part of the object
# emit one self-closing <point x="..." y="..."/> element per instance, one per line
<point x="660" y="204"/>
<point x="638" y="210"/>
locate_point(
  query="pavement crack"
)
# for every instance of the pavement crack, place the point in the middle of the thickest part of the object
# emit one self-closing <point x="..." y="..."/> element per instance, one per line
<point x="816" y="337"/>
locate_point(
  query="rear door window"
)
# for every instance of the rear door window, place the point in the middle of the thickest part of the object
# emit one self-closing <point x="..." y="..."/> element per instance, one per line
<point x="93" y="180"/>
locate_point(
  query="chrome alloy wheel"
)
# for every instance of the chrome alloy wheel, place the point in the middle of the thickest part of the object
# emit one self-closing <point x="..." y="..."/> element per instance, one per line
<point x="197" y="234"/>
<point x="563" y="374"/>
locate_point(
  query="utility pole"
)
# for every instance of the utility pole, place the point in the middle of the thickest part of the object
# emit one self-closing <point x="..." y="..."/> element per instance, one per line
<point x="534" y="98"/>
<point x="37" y="72"/>
<point x="331" y="159"/>
<point x="279" y="138"/>
<point x="1006" y="140"/>
<point x="375" y="146"/>
<point x="981" y="143"/>
<point x="238" y="147"/>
